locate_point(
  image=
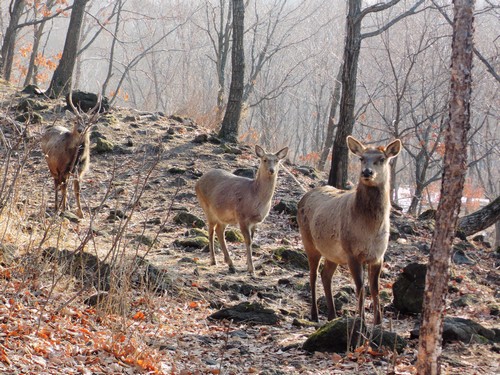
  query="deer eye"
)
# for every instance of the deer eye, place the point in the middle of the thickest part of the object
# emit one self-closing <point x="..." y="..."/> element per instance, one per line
<point x="362" y="159"/>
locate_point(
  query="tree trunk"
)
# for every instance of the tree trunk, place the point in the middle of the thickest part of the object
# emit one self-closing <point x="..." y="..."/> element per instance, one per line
<point x="231" y="122"/>
<point x="481" y="219"/>
<point x="9" y="40"/>
<point x="340" y="153"/>
<point x="61" y="80"/>
<point x="428" y="361"/>
<point x="331" y="120"/>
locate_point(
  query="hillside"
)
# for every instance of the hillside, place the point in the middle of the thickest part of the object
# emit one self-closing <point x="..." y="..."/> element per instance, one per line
<point x="143" y="170"/>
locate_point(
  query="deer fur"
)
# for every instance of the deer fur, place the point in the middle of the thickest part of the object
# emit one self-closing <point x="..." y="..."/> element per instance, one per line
<point x="229" y="199"/>
<point x="67" y="153"/>
<point x="350" y="227"/>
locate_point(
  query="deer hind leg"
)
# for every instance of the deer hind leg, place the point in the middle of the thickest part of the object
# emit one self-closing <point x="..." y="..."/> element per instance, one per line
<point x="248" y="232"/>
<point x="64" y="191"/>
<point x="356" y="269"/>
<point x="76" y="188"/>
<point x="56" y="195"/>
<point x="326" y="278"/>
<point x="373" y="278"/>
<point x="211" y="231"/>
<point x="219" y="230"/>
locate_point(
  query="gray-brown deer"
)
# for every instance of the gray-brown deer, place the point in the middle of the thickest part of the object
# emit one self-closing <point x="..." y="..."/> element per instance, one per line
<point x="350" y="227"/>
<point x="67" y="153"/>
<point x="229" y="199"/>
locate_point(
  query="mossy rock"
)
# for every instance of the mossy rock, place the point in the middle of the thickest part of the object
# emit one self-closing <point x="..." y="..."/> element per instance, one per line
<point x="344" y="334"/>
<point x="28" y="105"/>
<point x="294" y="258"/>
<point x="185" y="218"/>
<point x="30" y="118"/>
<point x="109" y="119"/>
<point x="192" y="242"/>
<point x="197" y="232"/>
<point x="233" y="235"/>
<point x="145" y="240"/>
<point x="103" y="146"/>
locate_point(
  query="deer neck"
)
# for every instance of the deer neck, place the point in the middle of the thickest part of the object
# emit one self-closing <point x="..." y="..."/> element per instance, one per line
<point x="264" y="185"/>
<point x="373" y="202"/>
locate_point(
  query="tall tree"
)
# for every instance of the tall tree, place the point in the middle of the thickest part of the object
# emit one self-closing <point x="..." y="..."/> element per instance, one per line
<point x="428" y="361"/>
<point x="231" y="122"/>
<point x="352" y="48"/>
<point x="61" y="80"/>
<point x="16" y="8"/>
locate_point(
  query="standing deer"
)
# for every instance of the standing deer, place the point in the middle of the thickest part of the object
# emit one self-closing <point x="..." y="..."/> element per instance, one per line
<point x="229" y="199"/>
<point x="350" y="227"/>
<point x="67" y="153"/>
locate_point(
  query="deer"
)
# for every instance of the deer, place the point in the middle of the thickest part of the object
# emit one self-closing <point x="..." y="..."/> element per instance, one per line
<point x="350" y="227"/>
<point x="229" y="199"/>
<point x="67" y="153"/>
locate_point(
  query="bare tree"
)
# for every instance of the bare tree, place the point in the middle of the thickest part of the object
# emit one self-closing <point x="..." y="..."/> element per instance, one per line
<point x="428" y="361"/>
<point x="352" y="48"/>
<point x="231" y="122"/>
<point x="61" y="79"/>
<point x="16" y="9"/>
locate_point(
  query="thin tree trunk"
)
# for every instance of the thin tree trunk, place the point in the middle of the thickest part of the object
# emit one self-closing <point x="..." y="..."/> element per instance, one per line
<point x="331" y="120"/>
<point x="231" y="122"/>
<point x="428" y="360"/>
<point x="61" y="80"/>
<point x="9" y="40"/>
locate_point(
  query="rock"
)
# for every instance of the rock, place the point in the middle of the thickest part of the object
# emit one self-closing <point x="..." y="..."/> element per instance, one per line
<point x="103" y="146"/>
<point x="111" y="303"/>
<point x="200" y="138"/>
<point x="159" y="280"/>
<point x="294" y="258"/>
<point x="343" y="334"/>
<point x="185" y="218"/>
<point x="464" y="330"/>
<point x="307" y="171"/>
<point x="33" y="90"/>
<point x="192" y="243"/>
<point x="465" y="300"/>
<point x="233" y="235"/>
<point x="145" y="240"/>
<point x="85" y="101"/>
<point x="245" y="172"/>
<point x="460" y="257"/>
<point x="288" y="207"/>
<point x="195" y="232"/>
<point x="29" y="105"/>
<point x="408" y="290"/>
<point x="429" y="214"/>
<point x="247" y="312"/>
<point x="30" y="118"/>
<point x="176" y="170"/>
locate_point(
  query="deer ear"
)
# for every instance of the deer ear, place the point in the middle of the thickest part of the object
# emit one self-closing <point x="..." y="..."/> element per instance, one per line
<point x="259" y="151"/>
<point x="393" y="149"/>
<point x="355" y="146"/>
<point x="281" y="154"/>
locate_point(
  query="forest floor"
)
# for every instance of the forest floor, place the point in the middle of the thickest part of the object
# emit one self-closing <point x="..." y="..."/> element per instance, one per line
<point x="130" y="197"/>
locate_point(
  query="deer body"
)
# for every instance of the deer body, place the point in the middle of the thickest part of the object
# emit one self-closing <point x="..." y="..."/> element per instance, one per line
<point x="350" y="227"/>
<point x="67" y="153"/>
<point x="229" y="199"/>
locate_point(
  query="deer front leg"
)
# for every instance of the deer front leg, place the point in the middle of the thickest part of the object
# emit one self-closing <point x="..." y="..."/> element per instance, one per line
<point x="76" y="188"/>
<point x="373" y="279"/>
<point x="356" y="269"/>
<point x="247" y="232"/>
<point x="326" y="278"/>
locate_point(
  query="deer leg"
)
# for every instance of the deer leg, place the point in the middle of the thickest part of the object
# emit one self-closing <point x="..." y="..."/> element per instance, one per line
<point x="356" y="269"/>
<point x="326" y="278"/>
<point x="76" y="188"/>
<point x="373" y="278"/>
<point x="219" y="230"/>
<point x="64" y="189"/>
<point x="56" y="188"/>
<point x="211" y="230"/>
<point x="313" y="257"/>
<point x="247" y="232"/>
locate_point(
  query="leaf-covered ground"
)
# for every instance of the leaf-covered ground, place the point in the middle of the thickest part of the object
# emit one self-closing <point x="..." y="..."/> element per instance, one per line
<point x="131" y="196"/>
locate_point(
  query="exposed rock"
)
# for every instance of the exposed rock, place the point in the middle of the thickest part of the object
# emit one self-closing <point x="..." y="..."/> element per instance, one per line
<point x="30" y="118"/>
<point x="246" y="312"/>
<point x="286" y="206"/>
<point x="103" y="146"/>
<point x="159" y="280"/>
<point x="429" y="214"/>
<point x="245" y="172"/>
<point x="29" y="105"/>
<point x="200" y="138"/>
<point x="408" y="290"/>
<point x="85" y="101"/>
<point x="465" y="300"/>
<point x="233" y="235"/>
<point x="464" y="330"/>
<point x="192" y="243"/>
<point x="293" y="258"/>
<point x="33" y="90"/>
<point x="190" y="220"/>
<point x="344" y="334"/>
<point x="459" y="256"/>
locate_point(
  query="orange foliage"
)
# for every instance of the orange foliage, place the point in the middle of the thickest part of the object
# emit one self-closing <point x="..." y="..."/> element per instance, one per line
<point x="473" y="193"/>
<point x="310" y="158"/>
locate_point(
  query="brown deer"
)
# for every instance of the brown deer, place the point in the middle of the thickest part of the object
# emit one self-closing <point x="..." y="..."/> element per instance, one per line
<point x="229" y="199"/>
<point x="350" y="227"/>
<point x="67" y="153"/>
